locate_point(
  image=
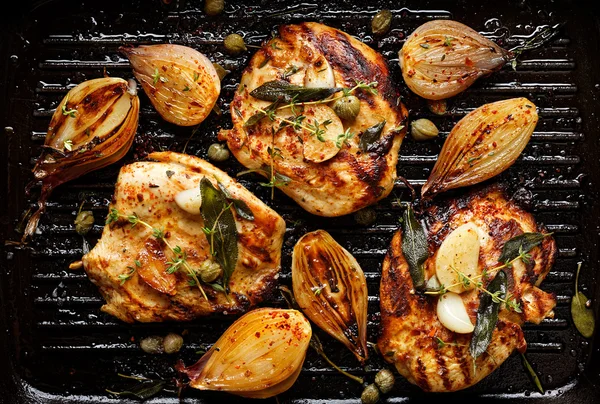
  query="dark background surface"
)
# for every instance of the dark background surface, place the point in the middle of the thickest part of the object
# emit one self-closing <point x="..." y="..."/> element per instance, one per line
<point x="55" y="344"/>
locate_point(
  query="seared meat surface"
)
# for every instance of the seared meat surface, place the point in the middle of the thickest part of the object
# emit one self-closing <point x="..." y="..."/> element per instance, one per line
<point x="324" y="178"/>
<point x="148" y="190"/>
<point x="411" y="330"/>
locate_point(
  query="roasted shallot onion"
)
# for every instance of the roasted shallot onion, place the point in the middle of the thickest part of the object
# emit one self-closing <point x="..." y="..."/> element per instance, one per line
<point x="331" y="290"/>
<point x="92" y="127"/>
<point x="482" y="145"/>
<point x="259" y="356"/>
<point x="181" y="82"/>
<point x="442" y="58"/>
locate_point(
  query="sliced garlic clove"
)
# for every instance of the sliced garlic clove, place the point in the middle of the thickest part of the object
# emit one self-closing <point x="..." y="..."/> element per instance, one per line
<point x="189" y="200"/>
<point x="452" y="313"/>
<point x="319" y="75"/>
<point x="460" y="250"/>
<point x="320" y="147"/>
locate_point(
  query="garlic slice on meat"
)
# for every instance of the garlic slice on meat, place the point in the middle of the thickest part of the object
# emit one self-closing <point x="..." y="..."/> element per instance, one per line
<point x="320" y="146"/>
<point x="152" y="268"/>
<point x="93" y="126"/>
<point x="189" y="200"/>
<point x="331" y="289"/>
<point x="442" y="58"/>
<point x="260" y="355"/>
<point x="459" y="252"/>
<point x="181" y="83"/>
<point x="319" y="75"/>
<point x="453" y="315"/>
<point x="482" y="145"/>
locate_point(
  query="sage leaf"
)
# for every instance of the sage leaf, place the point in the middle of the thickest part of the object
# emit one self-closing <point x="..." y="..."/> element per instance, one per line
<point x="259" y="115"/>
<point x="414" y="247"/>
<point x="143" y="390"/>
<point x="532" y="373"/>
<point x="487" y="315"/>
<point x="521" y="243"/>
<point x="370" y="136"/>
<point x="281" y="90"/>
<point x="223" y="236"/>
<point x="241" y="207"/>
<point x="583" y="316"/>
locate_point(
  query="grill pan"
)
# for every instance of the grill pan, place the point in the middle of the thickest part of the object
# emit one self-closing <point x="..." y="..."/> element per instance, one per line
<point x="55" y="344"/>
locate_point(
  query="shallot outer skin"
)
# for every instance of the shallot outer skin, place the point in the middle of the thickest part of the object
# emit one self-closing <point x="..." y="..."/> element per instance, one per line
<point x="181" y="82"/>
<point x="442" y="58"/>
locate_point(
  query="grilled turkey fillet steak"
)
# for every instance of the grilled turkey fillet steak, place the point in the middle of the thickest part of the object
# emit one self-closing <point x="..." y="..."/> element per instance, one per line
<point x="410" y="328"/>
<point x="148" y="189"/>
<point x="324" y="179"/>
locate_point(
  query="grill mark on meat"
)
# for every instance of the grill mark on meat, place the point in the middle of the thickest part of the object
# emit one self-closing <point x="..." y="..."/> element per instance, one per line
<point x="443" y="370"/>
<point x="421" y="376"/>
<point x="463" y="364"/>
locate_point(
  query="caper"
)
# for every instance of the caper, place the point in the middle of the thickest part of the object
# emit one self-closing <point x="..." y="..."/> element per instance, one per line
<point x="172" y="343"/>
<point x="221" y="72"/>
<point x="365" y="217"/>
<point x="234" y="44"/>
<point x="438" y="107"/>
<point x="214" y="7"/>
<point x="84" y="222"/>
<point x="347" y="108"/>
<point x="384" y="379"/>
<point x="381" y="22"/>
<point x="423" y="129"/>
<point x="210" y="271"/>
<point x="370" y="395"/>
<point x="218" y="152"/>
<point x="152" y="345"/>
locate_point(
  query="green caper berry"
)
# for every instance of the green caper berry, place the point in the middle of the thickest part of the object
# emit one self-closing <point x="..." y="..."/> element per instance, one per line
<point x="210" y="271"/>
<point x="381" y="22"/>
<point x="234" y="44"/>
<point x="152" y="345"/>
<point x="221" y="72"/>
<point x="384" y="379"/>
<point x="347" y="108"/>
<point x="423" y="129"/>
<point x="217" y="152"/>
<point x="84" y="222"/>
<point x="172" y="343"/>
<point x="365" y="217"/>
<point x="370" y="395"/>
<point x="214" y="7"/>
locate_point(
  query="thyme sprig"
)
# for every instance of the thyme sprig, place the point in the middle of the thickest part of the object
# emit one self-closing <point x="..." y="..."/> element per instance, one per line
<point x="66" y="111"/>
<point x="476" y="280"/>
<point x="179" y="258"/>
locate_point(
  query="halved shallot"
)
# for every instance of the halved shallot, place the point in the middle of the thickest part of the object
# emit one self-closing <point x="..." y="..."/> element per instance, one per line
<point x="331" y="289"/>
<point x="92" y="127"/>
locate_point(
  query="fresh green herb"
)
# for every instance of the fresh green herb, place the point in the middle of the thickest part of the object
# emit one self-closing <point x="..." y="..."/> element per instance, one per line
<point x="414" y="247"/>
<point x="532" y="373"/>
<point x="316" y="130"/>
<point x="583" y="316"/>
<point x="145" y="389"/>
<point x="471" y="160"/>
<point x="441" y="343"/>
<point x="343" y="138"/>
<point x="68" y="144"/>
<point x="261" y="113"/>
<point x="318" y="289"/>
<point x="186" y="88"/>
<point x="196" y="76"/>
<point x="114" y="216"/>
<point x="425" y="45"/>
<point x="370" y="136"/>
<point x="487" y="315"/>
<point x="218" y="217"/>
<point x="156" y="77"/>
<point x="290" y="71"/>
<point x="538" y="40"/>
<point x="169" y="173"/>
<point x="241" y="208"/>
<point x="281" y="90"/>
<point x="126" y="276"/>
<point x="241" y="88"/>
<point x="274" y="46"/>
<point x="264" y="62"/>
<point x="448" y="41"/>
<point x="519" y="246"/>
<point x="443" y="57"/>
<point x="65" y="111"/>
